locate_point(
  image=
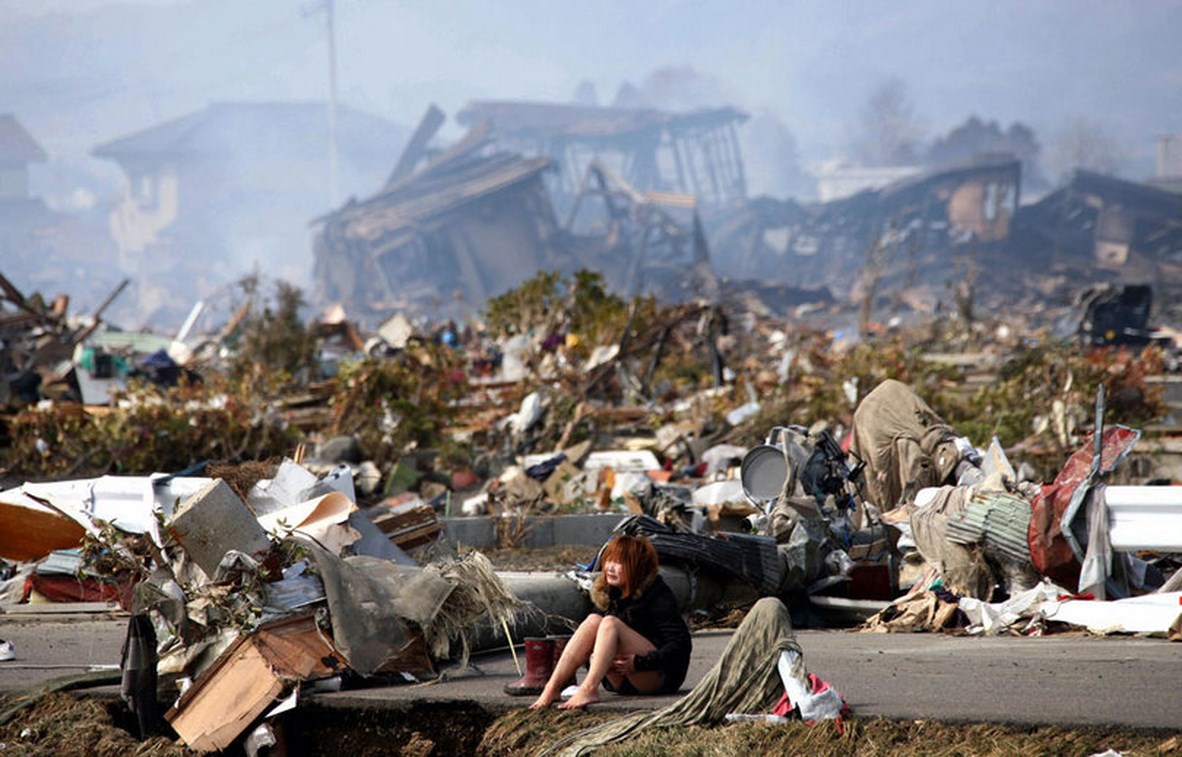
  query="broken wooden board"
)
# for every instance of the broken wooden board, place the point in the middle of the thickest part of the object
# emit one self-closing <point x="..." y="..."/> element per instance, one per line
<point x="409" y="525"/>
<point x="30" y="530"/>
<point x="247" y="678"/>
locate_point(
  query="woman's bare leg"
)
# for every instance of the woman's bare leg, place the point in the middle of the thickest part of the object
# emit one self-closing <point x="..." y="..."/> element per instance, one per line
<point x="575" y="653"/>
<point x="613" y="637"/>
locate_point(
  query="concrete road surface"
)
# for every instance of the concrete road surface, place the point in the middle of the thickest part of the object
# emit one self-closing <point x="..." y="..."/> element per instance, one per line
<point x="1066" y="679"/>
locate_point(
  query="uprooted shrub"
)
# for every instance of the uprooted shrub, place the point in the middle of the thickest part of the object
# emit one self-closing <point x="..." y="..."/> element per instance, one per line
<point x="575" y="315"/>
<point x="149" y="429"/>
<point x="580" y="303"/>
<point x="272" y="338"/>
<point x="400" y="404"/>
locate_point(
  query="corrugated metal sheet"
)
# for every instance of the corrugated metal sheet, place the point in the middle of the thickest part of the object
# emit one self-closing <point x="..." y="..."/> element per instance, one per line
<point x="998" y="520"/>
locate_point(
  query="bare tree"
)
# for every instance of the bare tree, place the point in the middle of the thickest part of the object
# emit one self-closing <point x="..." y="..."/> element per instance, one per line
<point x="872" y="273"/>
<point x="889" y="133"/>
<point x="1084" y="143"/>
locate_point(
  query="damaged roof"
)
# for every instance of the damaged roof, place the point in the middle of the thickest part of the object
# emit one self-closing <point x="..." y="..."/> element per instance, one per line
<point x="221" y="126"/>
<point x="1143" y="198"/>
<point x="434" y="192"/>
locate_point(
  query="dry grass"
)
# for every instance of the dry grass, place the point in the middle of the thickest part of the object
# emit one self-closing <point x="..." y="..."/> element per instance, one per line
<point x="560" y="558"/>
<point x="523" y="732"/>
<point x="65" y="725"/>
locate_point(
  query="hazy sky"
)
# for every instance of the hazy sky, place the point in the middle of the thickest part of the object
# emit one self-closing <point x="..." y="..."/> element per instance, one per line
<point x="81" y="72"/>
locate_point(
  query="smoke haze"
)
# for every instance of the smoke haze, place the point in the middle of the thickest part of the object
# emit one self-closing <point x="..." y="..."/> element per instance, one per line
<point x="79" y="73"/>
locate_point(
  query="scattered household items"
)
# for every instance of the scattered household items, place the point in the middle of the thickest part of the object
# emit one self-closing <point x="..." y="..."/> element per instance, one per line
<point x="38" y="340"/>
<point x="1003" y="556"/>
<point x="263" y="582"/>
<point x="253" y="597"/>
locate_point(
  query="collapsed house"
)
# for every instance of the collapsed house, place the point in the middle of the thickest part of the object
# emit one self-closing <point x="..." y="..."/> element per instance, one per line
<point x="926" y="240"/>
<point x="906" y="234"/>
<point x="1102" y="227"/>
<point x="467" y="227"/>
<point x="474" y="221"/>
<point x="694" y="153"/>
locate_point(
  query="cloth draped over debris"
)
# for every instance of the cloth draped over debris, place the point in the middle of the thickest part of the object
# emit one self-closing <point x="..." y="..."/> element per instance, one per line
<point x="905" y="444"/>
<point x="1000" y="554"/>
<point x="747" y="678"/>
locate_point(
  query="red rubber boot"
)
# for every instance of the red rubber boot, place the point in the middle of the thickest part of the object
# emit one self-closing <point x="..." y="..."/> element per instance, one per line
<point x="539" y="664"/>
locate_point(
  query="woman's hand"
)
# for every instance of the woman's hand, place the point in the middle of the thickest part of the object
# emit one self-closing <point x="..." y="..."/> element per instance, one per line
<point x="624" y="664"/>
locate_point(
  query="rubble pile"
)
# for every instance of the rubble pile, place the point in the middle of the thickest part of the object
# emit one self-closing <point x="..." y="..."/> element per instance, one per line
<point x="274" y="527"/>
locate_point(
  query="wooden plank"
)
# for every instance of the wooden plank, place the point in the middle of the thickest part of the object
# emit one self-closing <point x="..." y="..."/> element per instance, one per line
<point x="227" y="700"/>
<point x="417" y="536"/>
<point x="247" y="678"/>
<point x="417" y="146"/>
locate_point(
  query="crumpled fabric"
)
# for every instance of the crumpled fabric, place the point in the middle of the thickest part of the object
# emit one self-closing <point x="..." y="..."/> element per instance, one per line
<point x="921" y="611"/>
<point x="808" y="695"/>
<point x="1102" y="572"/>
<point x="906" y="446"/>
<point x="138" y="666"/>
<point x="806" y="554"/>
<point x="746" y="678"/>
<point x="962" y="569"/>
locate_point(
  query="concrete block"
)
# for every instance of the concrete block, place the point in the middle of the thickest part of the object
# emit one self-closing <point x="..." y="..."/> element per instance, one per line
<point x="214" y="520"/>
<point x="471" y="532"/>
<point x="539" y="532"/>
<point x="585" y="529"/>
<point x="543" y="531"/>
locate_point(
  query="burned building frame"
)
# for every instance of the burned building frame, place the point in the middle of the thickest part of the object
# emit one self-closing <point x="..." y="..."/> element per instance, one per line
<point x="695" y="153"/>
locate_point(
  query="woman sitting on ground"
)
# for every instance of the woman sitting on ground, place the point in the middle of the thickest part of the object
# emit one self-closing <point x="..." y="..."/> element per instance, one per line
<point x="636" y="639"/>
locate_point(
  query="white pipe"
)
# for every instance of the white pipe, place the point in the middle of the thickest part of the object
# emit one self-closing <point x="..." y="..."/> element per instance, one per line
<point x="1145" y="517"/>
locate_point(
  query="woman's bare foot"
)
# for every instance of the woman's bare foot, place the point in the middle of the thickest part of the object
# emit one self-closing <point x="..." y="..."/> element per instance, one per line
<point x="582" y="698"/>
<point x="544" y="700"/>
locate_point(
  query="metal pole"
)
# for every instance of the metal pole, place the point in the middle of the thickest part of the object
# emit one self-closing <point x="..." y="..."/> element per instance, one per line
<point x="332" y="104"/>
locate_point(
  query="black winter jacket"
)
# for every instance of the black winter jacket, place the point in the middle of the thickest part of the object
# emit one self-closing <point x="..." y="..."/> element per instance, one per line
<point x="653" y="613"/>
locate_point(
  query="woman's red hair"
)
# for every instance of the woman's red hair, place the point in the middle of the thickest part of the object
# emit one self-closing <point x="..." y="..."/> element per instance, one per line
<point x="637" y="556"/>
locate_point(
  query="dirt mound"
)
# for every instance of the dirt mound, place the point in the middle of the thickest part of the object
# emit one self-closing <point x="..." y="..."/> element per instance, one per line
<point x="70" y="726"/>
<point x="523" y="732"/>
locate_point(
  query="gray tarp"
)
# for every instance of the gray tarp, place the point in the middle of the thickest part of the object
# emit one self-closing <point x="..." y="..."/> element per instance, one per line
<point x="368" y="600"/>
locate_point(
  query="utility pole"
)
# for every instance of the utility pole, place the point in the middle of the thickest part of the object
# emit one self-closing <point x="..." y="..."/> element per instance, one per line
<point x="333" y="191"/>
